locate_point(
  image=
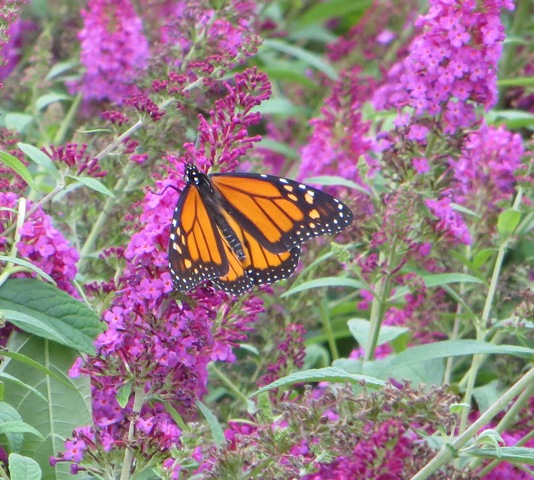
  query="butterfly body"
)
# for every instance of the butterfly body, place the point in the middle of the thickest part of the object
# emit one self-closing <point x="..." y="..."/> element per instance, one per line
<point x="243" y="229"/>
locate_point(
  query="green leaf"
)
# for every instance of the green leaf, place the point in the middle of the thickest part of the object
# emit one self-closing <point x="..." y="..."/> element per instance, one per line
<point x="45" y="100"/>
<point x="9" y="378"/>
<point x="482" y="256"/>
<point x="29" y="362"/>
<point x="30" y="266"/>
<point x="217" y="432"/>
<point x="487" y="395"/>
<point x="453" y="348"/>
<point x="508" y="222"/>
<point x="60" y="68"/>
<point x="40" y="158"/>
<point x="24" y="468"/>
<point x="520" y="455"/>
<point x="123" y="394"/>
<point x="68" y="404"/>
<point x="32" y="324"/>
<point x="328" y="374"/>
<point x="18" y="167"/>
<point x="360" y="328"/>
<point x="278" y="106"/>
<point x="17" y="427"/>
<point x="335" y="181"/>
<point x="18" y="121"/>
<point x="9" y="414"/>
<point x="438" y="279"/>
<point x="311" y="59"/>
<point x="286" y="71"/>
<point x="93" y="184"/>
<point x="321" y="12"/>
<point x="325" y="282"/>
<point x="278" y="147"/>
<point x="74" y="323"/>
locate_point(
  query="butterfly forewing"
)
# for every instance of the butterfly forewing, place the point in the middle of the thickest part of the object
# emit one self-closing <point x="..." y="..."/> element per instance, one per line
<point x="278" y="212"/>
<point x="196" y="250"/>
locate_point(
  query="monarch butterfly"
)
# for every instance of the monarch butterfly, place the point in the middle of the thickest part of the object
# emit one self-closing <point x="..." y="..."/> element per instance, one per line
<point x="245" y="229"/>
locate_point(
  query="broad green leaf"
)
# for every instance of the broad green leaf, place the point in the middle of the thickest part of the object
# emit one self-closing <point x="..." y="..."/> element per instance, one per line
<point x="30" y="363"/>
<point x="68" y="404"/>
<point x="123" y="394"/>
<point x="321" y="12"/>
<point x="18" y="167"/>
<point x="325" y="282"/>
<point x="521" y="455"/>
<point x="513" y="119"/>
<point x="40" y="158"/>
<point x="453" y="348"/>
<point x="93" y="184"/>
<point x="23" y="468"/>
<point x="508" y="222"/>
<point x="462" y="209"/>
<point x="482" y="256"/>
<point x="428" y="373"/>
<point x="45" y="100"/>
<point x="215" y="427"/>
<point x="9" y="378"/>
<point x="283" y="71"/>
<point x="30" y="266"/>
<point x="75" y="324"/>
<point x="18" y="121"/>
<point x="17" y="427"/>
<point x="360" y="328"/>
<point x="438" y="279"/>
<point x="487" y="395"/>
<point x="311" y="58"/>
<point x="278" y="147"/>
<point x="60" y="68"/>
<point x="31" y="324"/>
<point x="279" y="106"/>
<point x="9" y="414"/>
<point x="335" y="181"/>
<point x="328" y="374"/>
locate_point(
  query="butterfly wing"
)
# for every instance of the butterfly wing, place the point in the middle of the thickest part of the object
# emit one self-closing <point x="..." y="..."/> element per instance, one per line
<point x="259" y="267"/>
<point x="197" y="251"/>
<point x="277" y="212"/>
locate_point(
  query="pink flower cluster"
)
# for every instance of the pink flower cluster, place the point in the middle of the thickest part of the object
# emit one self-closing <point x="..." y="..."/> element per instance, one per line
<point x="114" y="50"/>
<point x="41" y="244"/>
<point x="452" y="65"/>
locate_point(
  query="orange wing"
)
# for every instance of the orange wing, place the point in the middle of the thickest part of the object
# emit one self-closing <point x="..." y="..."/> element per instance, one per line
<point x="196" y="248"/>
<point x="241" y="229"/>
<point x="280" y="213"/>
<point x="259" y="266"/>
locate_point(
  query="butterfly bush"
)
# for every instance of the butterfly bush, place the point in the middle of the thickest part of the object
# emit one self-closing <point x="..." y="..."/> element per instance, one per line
<point x="180" y="81"/>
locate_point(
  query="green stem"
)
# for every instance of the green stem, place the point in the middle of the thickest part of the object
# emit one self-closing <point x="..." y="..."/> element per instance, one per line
<point x="509" y="418"/>
<point x="139" y="400"/>
<point x="446" y="454"/>
<point x="221" y="376"/>
<point x="103" y="216"/>
<point x="378" y="307"/>
<point x="60" y="135"/>
<point x="327" y="325"/>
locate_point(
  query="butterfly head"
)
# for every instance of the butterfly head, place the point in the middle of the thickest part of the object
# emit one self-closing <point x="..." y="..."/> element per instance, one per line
<point x="192" y="175"/>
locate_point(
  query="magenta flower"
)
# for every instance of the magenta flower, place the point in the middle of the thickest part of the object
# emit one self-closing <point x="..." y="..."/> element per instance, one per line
<point x="455" y="57"/>
<point x="114" y="50"/>
<point x="450" y="223"/>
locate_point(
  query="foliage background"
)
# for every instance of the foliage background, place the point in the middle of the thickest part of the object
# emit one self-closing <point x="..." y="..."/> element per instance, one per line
<point x="418" y="115"/>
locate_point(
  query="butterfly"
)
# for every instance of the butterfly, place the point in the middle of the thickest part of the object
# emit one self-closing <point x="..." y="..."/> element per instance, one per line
<point x="244" y="229"/>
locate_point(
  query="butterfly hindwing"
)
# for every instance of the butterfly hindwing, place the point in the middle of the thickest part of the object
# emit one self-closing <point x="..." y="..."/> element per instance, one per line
<point x="278" y="212"/>
<point x="196" y="250"/>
